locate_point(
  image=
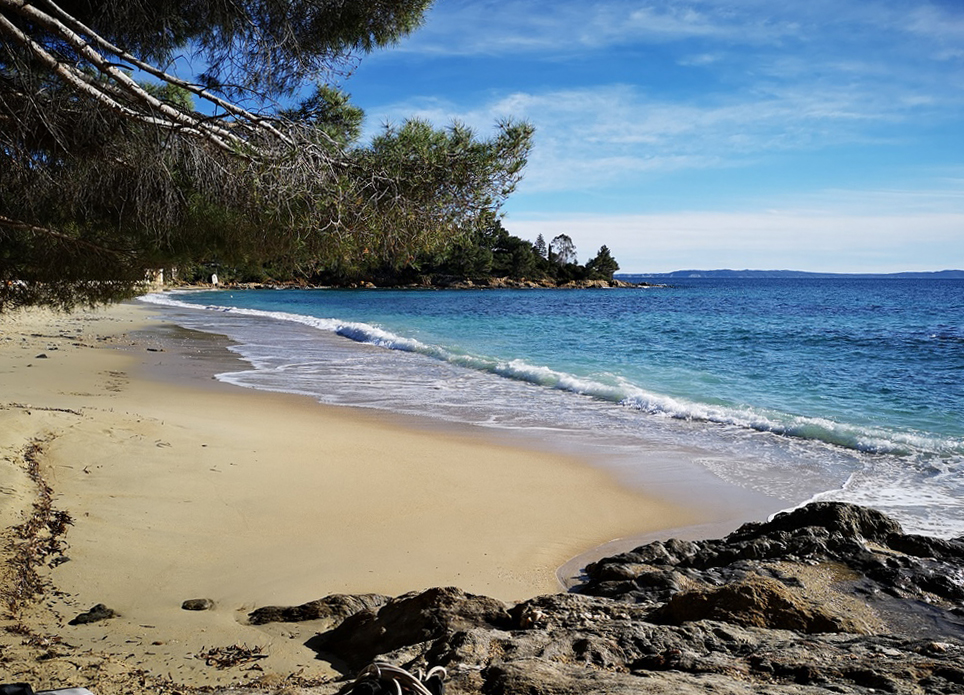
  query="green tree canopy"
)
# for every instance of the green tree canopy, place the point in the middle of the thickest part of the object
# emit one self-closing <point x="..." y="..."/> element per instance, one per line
<point x="562" y="250"/>
<point x="103" y="177"/>
<point x="602" y="265"/>
<point x="540" y="247"/>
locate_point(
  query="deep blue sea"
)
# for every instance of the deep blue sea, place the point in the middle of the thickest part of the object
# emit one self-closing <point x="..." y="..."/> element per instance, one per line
<point x="846" y="389"/>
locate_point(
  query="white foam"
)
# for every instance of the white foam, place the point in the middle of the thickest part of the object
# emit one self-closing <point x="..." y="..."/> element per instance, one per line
<point x="858" y="438"/>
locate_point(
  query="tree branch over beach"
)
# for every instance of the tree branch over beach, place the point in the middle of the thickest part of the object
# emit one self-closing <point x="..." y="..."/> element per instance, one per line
<point x="113" y="163"/>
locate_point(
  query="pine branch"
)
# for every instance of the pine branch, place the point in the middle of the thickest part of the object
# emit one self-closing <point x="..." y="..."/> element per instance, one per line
<point x="54" y="234"/>
<point x="76" y="78"/>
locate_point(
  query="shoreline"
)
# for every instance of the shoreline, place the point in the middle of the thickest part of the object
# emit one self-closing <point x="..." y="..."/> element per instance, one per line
<point x="188" y="488"/>
<point x="202" y="355"/>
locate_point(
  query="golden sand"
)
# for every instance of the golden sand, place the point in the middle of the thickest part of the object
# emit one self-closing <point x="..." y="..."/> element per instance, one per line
<point x="181" y="491"/>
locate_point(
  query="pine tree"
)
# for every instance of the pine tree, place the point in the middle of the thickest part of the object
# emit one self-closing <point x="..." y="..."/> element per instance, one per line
<point x="104" y="177"/>
<point x="540" y="247"/>
<point x="603" y="265"/>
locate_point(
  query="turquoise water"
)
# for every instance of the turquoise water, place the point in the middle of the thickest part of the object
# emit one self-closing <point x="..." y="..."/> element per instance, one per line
<point x="842" y="389"/>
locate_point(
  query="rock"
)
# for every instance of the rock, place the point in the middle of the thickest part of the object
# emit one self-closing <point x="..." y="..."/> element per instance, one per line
<point x="95" y="614"/>
<point x="753" y="602"/>
<point x="41" y="356"/>
<point x="848" y="520"/>
<point x="828" y="598"/>
<point x="198" y="604"/>
<point x="409" y="620"/>
<point x="888" y="566"/>
<point x="336" y="606"/>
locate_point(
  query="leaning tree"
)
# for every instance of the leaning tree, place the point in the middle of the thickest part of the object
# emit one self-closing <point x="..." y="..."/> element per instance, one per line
<point x="141" y="134"/>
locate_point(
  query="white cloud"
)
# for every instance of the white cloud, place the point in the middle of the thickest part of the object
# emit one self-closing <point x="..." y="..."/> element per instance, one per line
<point x="486" y="27"/>
<point x="453" y="27"/>
<point x="589" y="137"/>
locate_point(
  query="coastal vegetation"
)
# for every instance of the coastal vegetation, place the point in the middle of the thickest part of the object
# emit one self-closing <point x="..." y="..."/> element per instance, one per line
<point x="486" y="255"/>
<point x="113" y="163"/>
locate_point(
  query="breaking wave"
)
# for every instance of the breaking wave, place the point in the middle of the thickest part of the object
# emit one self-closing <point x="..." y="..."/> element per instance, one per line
<point x="614" y="389"/>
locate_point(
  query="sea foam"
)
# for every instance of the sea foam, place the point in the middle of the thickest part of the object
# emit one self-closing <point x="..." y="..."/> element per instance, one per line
<point x="617" y="390"/>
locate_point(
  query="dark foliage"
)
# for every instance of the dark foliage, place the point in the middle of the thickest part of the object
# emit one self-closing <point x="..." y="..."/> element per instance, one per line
<point x="103" y="178"/>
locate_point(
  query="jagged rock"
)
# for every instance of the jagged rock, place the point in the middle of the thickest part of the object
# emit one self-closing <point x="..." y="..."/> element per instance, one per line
<point x="336" y="606"/>
<point x="836" y="517"/>
<point x="539" y="677"/>
<point x="753" y="602"/>
<point x="828" y="598"/>
<point x="411" y="619"/>
<point x="886" y="563"/>
<point x="95" y="614"/>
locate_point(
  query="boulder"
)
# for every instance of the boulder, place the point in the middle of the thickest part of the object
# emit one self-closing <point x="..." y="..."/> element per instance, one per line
<point x="753" y="602"/>
<point x="411" y="619"/>
<point x="95" y="614"/>
<point x="334" y="607"/>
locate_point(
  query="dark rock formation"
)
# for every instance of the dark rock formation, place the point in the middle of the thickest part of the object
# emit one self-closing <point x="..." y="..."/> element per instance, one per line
<point x="197" y="604"/>
<point x="828" y="598"/>
<point x="411" y="619"/>
<point x="912" y="583"/>
<point x="95" y="614"/>
<point x="336" y="606"/>
<point x="752" y="602"/>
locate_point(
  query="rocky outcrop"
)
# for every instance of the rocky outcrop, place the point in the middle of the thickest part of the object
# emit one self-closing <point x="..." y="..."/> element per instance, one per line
<point x="752" y="602"/>
<point x="418" y="618"/>
<point x="453" y="283"/>
<point x="828" y="598"/>
<point x="334" y="607"/>
<point x="826" y="551"/>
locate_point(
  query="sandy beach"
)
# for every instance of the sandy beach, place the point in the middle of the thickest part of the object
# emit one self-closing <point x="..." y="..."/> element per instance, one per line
<point x="180" y="487"/>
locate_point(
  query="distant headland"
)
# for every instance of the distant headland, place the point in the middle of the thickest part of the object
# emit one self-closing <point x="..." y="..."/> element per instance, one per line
<point x="767" y="274"/>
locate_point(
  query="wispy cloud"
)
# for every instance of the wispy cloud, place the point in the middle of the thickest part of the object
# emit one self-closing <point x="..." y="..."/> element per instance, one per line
<point x="589" y="137"/>
<point x="774" y="78"/>
<point x="537" y="25"/>
<point x="487" y="27"/>
<point x="703" y="102"/>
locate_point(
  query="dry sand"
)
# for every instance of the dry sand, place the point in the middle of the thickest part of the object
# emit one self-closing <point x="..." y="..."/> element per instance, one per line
<point x="188" y="488"/>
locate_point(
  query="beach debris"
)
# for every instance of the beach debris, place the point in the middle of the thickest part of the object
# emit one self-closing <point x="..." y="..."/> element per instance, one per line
<point x="95" y="614"/>
<point x="25" y="689"/>
<point x="198" y="604"/>
<point x="235" y="655"/>
<point x="37" y="541"/>
<point x="383" y="678"/>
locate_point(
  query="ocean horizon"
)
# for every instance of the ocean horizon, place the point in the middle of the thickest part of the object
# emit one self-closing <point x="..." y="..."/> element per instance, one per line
<point x="843" y="389"/>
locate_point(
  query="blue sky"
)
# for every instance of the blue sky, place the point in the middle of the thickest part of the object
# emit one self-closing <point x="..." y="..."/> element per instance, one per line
<point x="812" y="135"/>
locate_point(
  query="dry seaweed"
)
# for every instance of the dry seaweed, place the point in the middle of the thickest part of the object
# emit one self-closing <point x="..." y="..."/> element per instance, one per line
<point x="235" y="655"/>
<point x="37" y="541"/>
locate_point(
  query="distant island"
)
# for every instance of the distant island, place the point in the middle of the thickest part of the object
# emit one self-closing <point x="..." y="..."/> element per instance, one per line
<point x="768" y="274"/>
